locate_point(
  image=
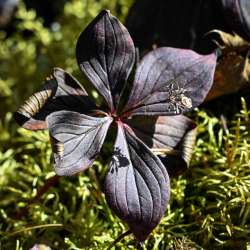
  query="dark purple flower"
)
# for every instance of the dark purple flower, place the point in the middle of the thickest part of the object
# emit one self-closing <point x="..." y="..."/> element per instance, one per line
<point x="167" y="83"/>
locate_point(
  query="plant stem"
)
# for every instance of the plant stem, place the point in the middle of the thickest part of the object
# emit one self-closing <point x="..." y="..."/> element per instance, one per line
<point x="31" y="228"/>
<point x="120" y="237"/>
<point x="47" y="185"/>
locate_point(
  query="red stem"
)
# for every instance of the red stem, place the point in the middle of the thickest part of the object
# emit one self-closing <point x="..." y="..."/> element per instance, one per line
<point x="42" y="190"/>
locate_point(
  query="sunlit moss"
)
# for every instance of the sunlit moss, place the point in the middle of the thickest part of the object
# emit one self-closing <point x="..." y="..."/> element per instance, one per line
<point x="210" y="204"/>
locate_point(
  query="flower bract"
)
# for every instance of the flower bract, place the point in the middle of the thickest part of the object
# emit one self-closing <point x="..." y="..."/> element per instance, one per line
<point x="167" y="83"/>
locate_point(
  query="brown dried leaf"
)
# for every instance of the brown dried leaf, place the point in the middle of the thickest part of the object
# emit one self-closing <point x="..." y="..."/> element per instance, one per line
<point x="233" y="67"/>
<point x="231" y="42"/>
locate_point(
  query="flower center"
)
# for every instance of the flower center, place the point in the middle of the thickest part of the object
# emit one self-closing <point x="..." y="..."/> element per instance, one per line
<point x="115" y="117"/>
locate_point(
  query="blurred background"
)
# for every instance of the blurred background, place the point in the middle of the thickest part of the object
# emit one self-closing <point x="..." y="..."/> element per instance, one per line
<point x="210" y="202"/>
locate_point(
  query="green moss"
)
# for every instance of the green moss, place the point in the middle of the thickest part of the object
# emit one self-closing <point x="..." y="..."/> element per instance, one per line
<point x="210" y="204"/>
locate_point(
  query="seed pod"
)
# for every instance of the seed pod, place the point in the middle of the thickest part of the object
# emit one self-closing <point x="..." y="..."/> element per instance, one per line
<point x="237" y="14"/>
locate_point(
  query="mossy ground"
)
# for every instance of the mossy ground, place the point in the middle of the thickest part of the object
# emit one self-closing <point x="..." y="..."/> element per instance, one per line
<point x="210" y="203"/>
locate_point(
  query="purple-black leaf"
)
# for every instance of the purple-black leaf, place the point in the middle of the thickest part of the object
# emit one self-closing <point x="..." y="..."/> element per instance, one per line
<point x="105" y="54"/>
<point x="61" y="91"/>
<point x="170" y="137"/>
<point x="170" y="81"/>
<point x="167" y="82"/>
<point x="237" y="14"/>
<point x="76" y="140"/>
<point x="137" y="185"/>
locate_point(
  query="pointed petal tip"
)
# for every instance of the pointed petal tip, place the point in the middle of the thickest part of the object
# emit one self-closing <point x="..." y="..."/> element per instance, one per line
<point x="209" y="58"/>
<point x="105" y="54"/>
<point x="141" y="244"/>
<point x="214" y="55"/>
<point x="217" y="53"/>
<point x="69" y="172"/>
<point x="65" y="171"/>
<point x="212" y="61"/>
<point x="29" y="123"/>
<point x="140" y="232"/>
<point x="56" y="70"/>
<point x="59" y="72"/>
<point x="105" y="12"/>
<point x="20" y="118"/>
<point x="76" y="140"/>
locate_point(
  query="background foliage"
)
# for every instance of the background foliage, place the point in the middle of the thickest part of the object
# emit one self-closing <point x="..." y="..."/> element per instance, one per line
<point x="210" y="204"/>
